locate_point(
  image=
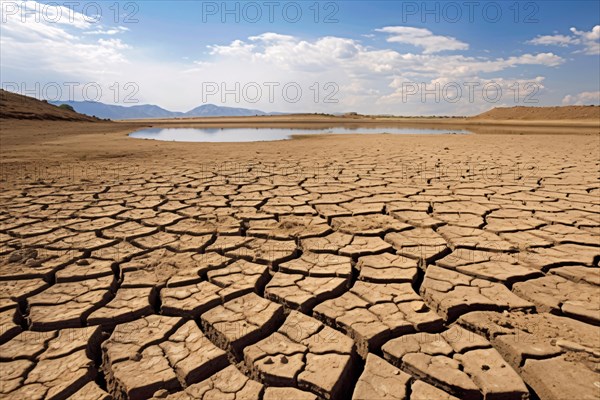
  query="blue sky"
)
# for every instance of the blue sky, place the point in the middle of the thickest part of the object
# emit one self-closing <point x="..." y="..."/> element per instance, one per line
<point x="370" y="56"/>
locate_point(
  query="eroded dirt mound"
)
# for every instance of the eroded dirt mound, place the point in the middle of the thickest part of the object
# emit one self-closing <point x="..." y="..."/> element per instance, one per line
<point x="542" y="113"/>
<point x="16" y="106"/>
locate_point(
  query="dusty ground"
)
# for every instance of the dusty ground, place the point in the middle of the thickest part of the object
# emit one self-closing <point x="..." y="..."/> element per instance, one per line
<point x="365" y="267"/>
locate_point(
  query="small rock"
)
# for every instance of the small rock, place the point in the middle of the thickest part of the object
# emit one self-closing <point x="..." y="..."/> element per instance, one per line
<point x="33" y="263"/>
<point x="14" y="257"/>
<point x="23" y="255"/>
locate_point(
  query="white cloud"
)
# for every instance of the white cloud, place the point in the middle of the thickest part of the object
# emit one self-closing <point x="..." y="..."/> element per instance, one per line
<point x="468" y="96"/>
<point x="349" y="55"/>
<point x="271" y="37"/>
<point x="32" y="11"/>
<point x="237" y="48"/>
<point x="111" y="31"/>
<point x="424" y="38"/>
<point x="592" y="35"/>
<point x="51" y="40"/>
<point x="588" y="41"/>
<point x="368" y="78"/>
<point x="583" y="98"/>
<point x="116" y="44"/>
<point x="548" y="59"/>
<point x="552" y="40"/>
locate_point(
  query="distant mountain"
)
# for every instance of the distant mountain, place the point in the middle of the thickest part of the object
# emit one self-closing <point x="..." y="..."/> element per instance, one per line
<point x="210" y="110"/>
<point x="102" y="110"/>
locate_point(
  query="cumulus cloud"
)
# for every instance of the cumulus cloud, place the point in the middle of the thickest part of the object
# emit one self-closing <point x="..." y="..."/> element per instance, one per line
<point x="53" y="39"/>
<point x="583" y="98"/>
<point x="369" y="79"/>
<point x="423" y="38"/>
<point x="350" y="55"/>
<point x="588" y="41"/>
<point x="237" y="48"/>
<point x="552" y="40"/>
<point x="271" y="37"/>
<point x="470" y="95"/>
<point x="53" y="13"/>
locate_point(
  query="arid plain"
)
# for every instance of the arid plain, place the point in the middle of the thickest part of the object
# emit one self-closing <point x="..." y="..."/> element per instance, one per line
<point x="358" y="266"/>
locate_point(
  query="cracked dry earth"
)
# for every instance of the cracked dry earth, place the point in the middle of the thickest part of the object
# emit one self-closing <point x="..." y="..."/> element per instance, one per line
<point x="367" y="279"/>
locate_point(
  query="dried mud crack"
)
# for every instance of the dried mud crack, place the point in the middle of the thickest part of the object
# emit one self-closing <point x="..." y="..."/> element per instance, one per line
<point x="366" y="280"/>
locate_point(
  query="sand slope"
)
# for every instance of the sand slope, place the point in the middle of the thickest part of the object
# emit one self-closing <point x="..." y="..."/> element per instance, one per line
<point x="542" y="113"/>
<point x="16" y="106"/>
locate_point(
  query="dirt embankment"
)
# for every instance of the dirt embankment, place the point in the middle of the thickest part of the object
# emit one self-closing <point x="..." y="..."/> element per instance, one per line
<point x="16" y="106"/>
<point x="542" y="113"/>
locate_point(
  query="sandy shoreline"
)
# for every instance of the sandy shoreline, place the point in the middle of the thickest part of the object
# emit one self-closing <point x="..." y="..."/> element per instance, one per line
<point x="303" y="120"/>
<point x="32" y="141"/>
<point x="18" y="135"/>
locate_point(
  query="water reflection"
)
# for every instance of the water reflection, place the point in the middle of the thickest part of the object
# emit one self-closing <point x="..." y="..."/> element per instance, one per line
<point x="268" y="134"/>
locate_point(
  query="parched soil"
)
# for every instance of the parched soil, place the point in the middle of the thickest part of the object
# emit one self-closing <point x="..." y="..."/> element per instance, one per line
<point x="331" y="267"/>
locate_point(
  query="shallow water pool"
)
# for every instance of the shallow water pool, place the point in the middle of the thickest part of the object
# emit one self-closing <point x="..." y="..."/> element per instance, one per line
<point x="268" y="134"/>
